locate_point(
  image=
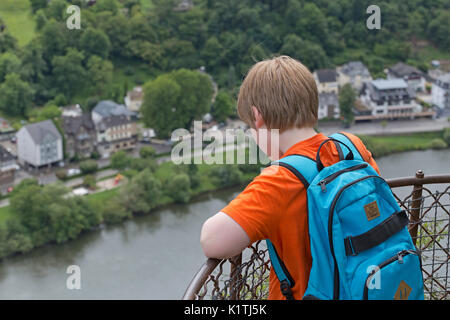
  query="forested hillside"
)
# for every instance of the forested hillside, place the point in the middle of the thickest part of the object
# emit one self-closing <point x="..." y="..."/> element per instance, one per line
<point x="122" y="43"/>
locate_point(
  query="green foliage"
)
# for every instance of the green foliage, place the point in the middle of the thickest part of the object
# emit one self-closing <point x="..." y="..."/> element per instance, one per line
<point x="47" y="112"/>
<point x="384" y="145"/>
<point x="226" y="175"/>
<point x="147" y="152"/>
<point x="42" y="215"/>
<point x="100" y="73"/>
<point x="446" y="136"/>
<point x="38" y="4"/>
<point x="437" y="144"/>
<point x="68" y="73"/>
<point x="120" y="160"/>
<point x="223" y="106"/>
<point x="142" y="193"/>
<point x="9" y="63"/>
<point x="114" y="212"/>
<point x="95" y="42"/>
<point x="347" y="98"/>
<point x="178" y="187"/>
<point x="88" y="166"/>
<point x="90" y="182"/>
<point x="174" y="100"/>
<point x="16" y="95"/>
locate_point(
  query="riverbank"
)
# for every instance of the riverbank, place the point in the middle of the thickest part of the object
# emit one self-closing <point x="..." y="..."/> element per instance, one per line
<point x="154" y="186"/>
<point x="152" y="256"/>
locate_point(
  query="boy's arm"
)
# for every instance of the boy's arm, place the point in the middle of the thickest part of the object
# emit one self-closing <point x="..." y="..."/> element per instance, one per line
<point x="222" y="237"/>
<point x="253" y="215"/>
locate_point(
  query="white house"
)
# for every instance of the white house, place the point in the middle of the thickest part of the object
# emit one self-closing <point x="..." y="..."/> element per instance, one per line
<point x="328" y="105"/>
<point x="355" y="73"/>
<point x="390" y="98"/>
<point x="440" y="91"/>
<point x="39" y="144"/>
<point x="326" y="80"/>
<point x="415" y="78"/>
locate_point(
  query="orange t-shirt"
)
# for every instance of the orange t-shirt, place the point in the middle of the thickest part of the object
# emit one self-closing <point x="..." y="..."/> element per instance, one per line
<point x="273" y="206"/>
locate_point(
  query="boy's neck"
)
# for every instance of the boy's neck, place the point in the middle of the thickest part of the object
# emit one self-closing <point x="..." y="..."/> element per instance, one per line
<point x="292" y="136"/>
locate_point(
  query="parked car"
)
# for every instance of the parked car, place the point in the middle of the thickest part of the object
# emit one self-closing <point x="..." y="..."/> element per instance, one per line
<point x="73" y="172"/>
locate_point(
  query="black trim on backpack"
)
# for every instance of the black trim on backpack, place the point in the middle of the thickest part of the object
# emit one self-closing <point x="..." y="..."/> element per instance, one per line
<point x="376" y="235"/>
<point x="295" y="172"/>
<point x="351" y="141"/>
<point x="339" y="150"/>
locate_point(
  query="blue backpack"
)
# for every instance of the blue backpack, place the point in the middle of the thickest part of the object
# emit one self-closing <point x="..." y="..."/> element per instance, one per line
<point x="360" y="244"/>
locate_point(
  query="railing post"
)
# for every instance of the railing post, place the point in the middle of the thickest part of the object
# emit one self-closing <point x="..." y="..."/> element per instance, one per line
<point x="235" y="276"/>
<point x="416" y="202"/>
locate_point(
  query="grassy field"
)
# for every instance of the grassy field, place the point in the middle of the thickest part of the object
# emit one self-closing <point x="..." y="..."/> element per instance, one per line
<point x="18" y="19"/>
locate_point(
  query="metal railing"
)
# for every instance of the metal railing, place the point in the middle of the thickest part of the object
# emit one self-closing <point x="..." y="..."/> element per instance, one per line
<point x="246" y="276"/>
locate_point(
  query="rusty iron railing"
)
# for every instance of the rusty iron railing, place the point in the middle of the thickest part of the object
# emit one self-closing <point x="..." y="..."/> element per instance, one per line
<point x="246" y="276"/>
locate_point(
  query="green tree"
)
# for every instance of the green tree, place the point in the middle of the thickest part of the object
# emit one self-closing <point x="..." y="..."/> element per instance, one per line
<point x="223" y="106"/>
<point x="47" y="112"/>
<point x="68" y="73"/>
<point x="114" y="212"/>
<point x="309" y="53"/>
<point x="88" y="166"/>
<point x="95" y="42"/>
<point x="226" y="175"/>
<point x="120" y="160"/>
<point x="147" y="152"/>
<point x="159" y="106"/>
<point x="54" y="39"/>
<point x="100" y="74"/>
<point x="16" y="95"/>
<point x="178" y="187"/>
<point x="438" y="29"/>
<point x="347" y="98"/>
<point x="175" y="99"/>
<point x="142" y="193"/>
<point x="9" y="63"/>
<point x="38" y="4"/>
<point x="56" y="9"/>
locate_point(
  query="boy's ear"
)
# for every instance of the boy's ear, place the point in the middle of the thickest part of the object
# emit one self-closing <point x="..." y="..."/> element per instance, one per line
<point x="259" y="121"/>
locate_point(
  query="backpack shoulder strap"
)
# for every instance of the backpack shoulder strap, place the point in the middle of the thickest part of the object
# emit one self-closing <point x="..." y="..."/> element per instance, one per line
<point x="342" y="137"/>
<point x="305" y="169"/>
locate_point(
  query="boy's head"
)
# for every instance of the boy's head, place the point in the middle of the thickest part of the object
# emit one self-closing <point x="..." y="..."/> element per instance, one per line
<point x="284" y="93"/>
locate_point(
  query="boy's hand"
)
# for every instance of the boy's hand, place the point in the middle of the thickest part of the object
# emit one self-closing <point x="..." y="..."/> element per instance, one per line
<point x="222" y="237"/>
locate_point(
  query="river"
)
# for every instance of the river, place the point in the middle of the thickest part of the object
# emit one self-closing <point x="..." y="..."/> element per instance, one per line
<point x="152" y="256"/>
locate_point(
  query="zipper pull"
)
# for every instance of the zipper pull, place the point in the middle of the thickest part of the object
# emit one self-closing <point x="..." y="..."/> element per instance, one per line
<point x="323" y="185"/>
<point x="400" y="257"/>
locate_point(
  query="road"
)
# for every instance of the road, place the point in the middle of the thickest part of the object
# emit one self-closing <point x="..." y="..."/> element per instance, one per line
<point x="390" y="127"/>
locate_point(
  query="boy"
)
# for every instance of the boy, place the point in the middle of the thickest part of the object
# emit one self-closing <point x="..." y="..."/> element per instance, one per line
<point x="276" y="94"/>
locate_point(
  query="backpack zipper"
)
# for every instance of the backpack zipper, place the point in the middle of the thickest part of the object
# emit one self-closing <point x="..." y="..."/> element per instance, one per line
<point x="398" y="257"/>
<point x="323" y="183"/>
<point x="330" y="230"/>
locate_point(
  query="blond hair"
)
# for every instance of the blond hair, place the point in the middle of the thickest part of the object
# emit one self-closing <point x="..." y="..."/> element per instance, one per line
<point x="284" y="92"/>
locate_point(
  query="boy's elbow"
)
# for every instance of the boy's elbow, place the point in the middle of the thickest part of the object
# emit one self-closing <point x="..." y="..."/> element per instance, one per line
<point x="207" y="241"/>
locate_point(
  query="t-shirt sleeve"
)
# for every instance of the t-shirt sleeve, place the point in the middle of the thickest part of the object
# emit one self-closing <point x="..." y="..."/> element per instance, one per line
<point x="257" y="209"/>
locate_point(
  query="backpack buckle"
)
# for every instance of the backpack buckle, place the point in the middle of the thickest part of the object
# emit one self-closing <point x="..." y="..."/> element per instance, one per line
<point x="286" y="290"/>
